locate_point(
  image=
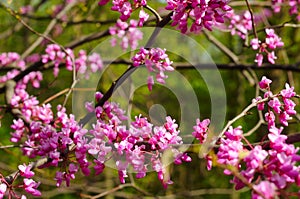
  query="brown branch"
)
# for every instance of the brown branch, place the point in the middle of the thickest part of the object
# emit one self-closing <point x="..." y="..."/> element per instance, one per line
<point x="285" y="67"/>
<point x="157" y="16"/>
<point x="230" y="66"/>
<point x="87" y="38"/>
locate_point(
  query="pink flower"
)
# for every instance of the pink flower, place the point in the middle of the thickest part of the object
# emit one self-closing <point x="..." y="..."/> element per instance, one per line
<point x="294" y="7"/>
<point x="284" y="117"/>
<point x="239" y="24"/>
<point x="25" y="171"/>
<point x="19" y="127"/>
<point x="266" y="188"/>
<point x="143" y="17"/>
<point x="275" y="104"/>
<point x="256" y="157"/>
<point x="270" y="118"/>
<point x="265" y="83"/>
<point x="259" y="59"/>
<point x="200" y="130"/>
<point x="26" y="9"/>
<point x="30" y="186"/>
<point x="122" y="170"/>
<point x="230" y="148"/>
<point x="150" y="82"/>
<point x="3" y="188"/>
<point x="99" y="167"/>
<point x="156" y="60"/>
<point x="272" y="40"/>
<point x="128" y="34"/>
<point x="255" y="43"/>
<point x="234" y="133"/>
<point x="288" y="92"/>
<point x="59" y="176"/>
<point x="260" y="106"/>
<point x="271" y="43"/>
<point x="271" y="57"/>
<point x="103" y="2"/>
<point x="289" y="106"/>
<point x="204" y="13"/>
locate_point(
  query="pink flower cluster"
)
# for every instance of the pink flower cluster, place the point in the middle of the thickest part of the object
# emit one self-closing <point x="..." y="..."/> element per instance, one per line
<point x="58" y="137"/>
<point x="203" y="13"/>
<point x="294" y="6"/>
<point x="12" y="59"/>
<point x="139" y="145"/>
<point x="55" y="54"/>
<point x="200" y="130"/>
<point x="272" y="168"/>
<point x="127" y="33"/>
<point x="271" y="42"/>
<point x="52" y="137"/>
<point x="281" y="104"/>
<point x="156" y="60"/>
<point x="29" y="107"/>
<point x="125" y="8"/>
<point x="87" y="64"/>
<point x="25" y="9"/>
<point x="240" y="24"/>
<point x="28" y="184"/>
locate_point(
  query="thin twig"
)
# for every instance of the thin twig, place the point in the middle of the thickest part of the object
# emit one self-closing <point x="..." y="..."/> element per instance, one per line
<point x="69" y="91"/>
<point x="78" y="22"/>
<point x="47" y="31"/>
<point x="10" y="146"/>
<point x="157" y="16"/>
<point x="56" y="95"/>
<point x="251" y="131"/>
<point x="252" y="3"/>
<point x="63" y="92"/>
<point x="41" y="36"/>
<point x="252" y="18"/>
<point x="222" y="47"/>
<point x="44" y="36"/>
<point x="121" y="186"/>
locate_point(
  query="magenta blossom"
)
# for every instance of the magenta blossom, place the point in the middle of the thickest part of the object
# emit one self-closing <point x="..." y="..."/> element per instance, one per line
<point x="3" y="188"/>
<point x="200" y="130"/>
<point x="265" y="83"/>
<point x="156" y="60"/>
<point x="25" y="171"/>
<point x="266" y="188"/>
<point x="31" y="186"/>
<point x="272" y="42"/>
<point x="203" y="13"/>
